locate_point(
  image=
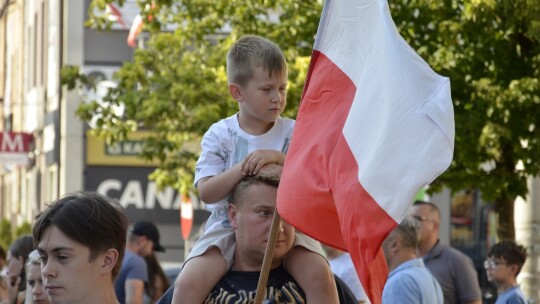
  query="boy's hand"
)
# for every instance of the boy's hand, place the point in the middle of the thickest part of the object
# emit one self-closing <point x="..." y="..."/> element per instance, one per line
<point x="254" y="161"/>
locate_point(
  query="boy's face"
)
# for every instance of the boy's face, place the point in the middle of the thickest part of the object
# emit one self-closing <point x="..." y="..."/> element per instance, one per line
<point x="68" y="274"/>
<point x="498" y="271"/>
<point x="264" y="97"/>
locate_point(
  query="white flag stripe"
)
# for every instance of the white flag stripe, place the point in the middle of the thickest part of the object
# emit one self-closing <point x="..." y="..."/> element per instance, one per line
<point x="399" y="124"/>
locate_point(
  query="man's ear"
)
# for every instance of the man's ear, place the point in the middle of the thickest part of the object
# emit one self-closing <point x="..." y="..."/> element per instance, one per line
<point x="232" y="211"/>
<point x="235" y="92"/>
<point x="110" y="258"/>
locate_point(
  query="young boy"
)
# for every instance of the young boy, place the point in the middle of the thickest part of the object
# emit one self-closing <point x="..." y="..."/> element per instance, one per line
<point x="503" y="264"/>
<point x="241" y="145"/>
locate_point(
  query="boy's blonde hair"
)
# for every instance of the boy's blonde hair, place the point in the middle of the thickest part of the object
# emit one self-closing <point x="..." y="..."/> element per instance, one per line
<point x="252" y="51"/>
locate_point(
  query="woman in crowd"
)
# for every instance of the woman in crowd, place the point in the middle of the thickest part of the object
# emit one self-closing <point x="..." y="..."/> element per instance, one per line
<point x="157" y="280"/>
<point x="35" y="291"/>
<point x="15" y="283"/>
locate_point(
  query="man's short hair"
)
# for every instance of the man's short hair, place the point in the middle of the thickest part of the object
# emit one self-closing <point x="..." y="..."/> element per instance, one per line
<point x="409" y="232"/>
<point x="239" y="190"/>
<point x="250" y="52"/>
<point x="91" y="219"/>
<point x="432" y="207"/>
<point x="510" y="252"/>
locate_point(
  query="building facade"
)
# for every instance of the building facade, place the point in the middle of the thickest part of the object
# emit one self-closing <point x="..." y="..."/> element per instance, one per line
<point x="38" y="38"/>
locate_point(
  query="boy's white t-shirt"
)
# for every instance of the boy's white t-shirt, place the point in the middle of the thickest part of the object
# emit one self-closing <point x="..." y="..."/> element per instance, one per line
<point x="225" y="144"/>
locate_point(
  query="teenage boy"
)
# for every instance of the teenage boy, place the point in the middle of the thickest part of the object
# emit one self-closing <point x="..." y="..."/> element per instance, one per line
<point x="241" y="145"/>
<point x="503" y="264"/>
<point x="81" y="239"/>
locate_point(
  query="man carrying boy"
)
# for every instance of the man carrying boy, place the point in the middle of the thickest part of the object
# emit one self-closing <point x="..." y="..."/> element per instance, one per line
<point x="504" y="262"/>
<point x="241" y="145"/>
<point x="251" y="208"/>
<point x="81" y="240"/>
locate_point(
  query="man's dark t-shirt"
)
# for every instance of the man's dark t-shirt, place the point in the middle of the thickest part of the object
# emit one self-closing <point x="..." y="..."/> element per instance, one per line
<point x="241" y="286"/>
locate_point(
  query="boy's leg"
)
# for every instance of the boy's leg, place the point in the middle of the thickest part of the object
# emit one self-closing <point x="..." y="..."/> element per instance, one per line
<point x="198" y="276"/>
<point x="313" y="274"/>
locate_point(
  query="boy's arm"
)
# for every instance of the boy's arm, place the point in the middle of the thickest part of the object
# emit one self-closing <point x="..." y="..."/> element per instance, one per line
<point x="212" y="189"/>
<point x="254" y="161"/>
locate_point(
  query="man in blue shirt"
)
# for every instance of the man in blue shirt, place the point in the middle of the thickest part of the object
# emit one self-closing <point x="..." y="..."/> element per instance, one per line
<point x="143" y="238"/>
<point x="409" y="281"/>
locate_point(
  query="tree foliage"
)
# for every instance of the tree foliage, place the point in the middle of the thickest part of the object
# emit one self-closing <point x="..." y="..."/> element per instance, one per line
<point x="490" y="50"/>
<point x="176" y="84"/>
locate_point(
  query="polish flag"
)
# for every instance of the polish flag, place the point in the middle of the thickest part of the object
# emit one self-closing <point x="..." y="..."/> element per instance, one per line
<point x="135" y="30"/>
<point x="375" y="125"/>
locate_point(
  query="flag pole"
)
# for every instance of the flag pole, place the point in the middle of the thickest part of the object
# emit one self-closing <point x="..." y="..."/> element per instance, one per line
<point x="268" y="255"/>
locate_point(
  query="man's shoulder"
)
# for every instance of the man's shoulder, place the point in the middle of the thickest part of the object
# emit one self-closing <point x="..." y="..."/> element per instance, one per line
<point x="452" y="253"/>
<point x="443" y="253"/>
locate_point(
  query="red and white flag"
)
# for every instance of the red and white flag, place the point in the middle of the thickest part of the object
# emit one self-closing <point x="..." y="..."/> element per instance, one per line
<point x="375" y="125"/>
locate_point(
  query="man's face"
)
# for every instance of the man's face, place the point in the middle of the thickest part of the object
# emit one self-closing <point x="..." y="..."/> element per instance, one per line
<point x="146" y="246"/>
<point x="68" y="274"/>
<point x="252" y="221"/>
<point x="427" y="219"/>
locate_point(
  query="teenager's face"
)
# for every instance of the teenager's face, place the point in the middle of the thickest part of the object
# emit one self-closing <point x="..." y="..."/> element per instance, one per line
<point x="252" y="221"/>
<point x="34" y="284"/>
<point x="264" y="97"/>
<point x="68" y="274"/>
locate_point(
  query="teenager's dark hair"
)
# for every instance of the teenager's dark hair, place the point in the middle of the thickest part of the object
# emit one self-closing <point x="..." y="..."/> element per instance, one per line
<point x="90" y="219"/>
<point x="510" y="252"/>
<point x="21" y="248"/>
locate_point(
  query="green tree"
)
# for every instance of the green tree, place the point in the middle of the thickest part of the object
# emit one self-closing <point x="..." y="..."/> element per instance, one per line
<point x="176" y="85"/>
<point x="490" y="50"/>
<point x="6" y="234"/>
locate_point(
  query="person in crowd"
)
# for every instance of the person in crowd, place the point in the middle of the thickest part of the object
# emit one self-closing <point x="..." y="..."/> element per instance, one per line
<point x="454" y="270"/>
<point x="241" y="145"/>
<point x="409" y="281"/>
<point x="252" y="206"/>
<point x="157" y="280"/>
<point x="342" y="266"/>
<point x="15" y="282"/>
<point x="35" y="290"/>
<point x="503" y="264"/>
<point x="81" y="238"/>
<point x="2" y="258"/>
<point x="142" y="240"/>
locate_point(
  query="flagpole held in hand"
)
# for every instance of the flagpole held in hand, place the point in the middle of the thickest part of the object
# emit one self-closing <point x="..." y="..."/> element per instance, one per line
<point x="267" y="261"/>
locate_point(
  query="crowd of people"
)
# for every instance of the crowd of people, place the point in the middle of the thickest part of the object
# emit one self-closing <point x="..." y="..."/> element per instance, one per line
<point x="82" y="249"/>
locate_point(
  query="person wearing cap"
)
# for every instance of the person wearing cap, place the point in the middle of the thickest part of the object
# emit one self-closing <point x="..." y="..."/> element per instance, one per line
<point x="142" y="239"/>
